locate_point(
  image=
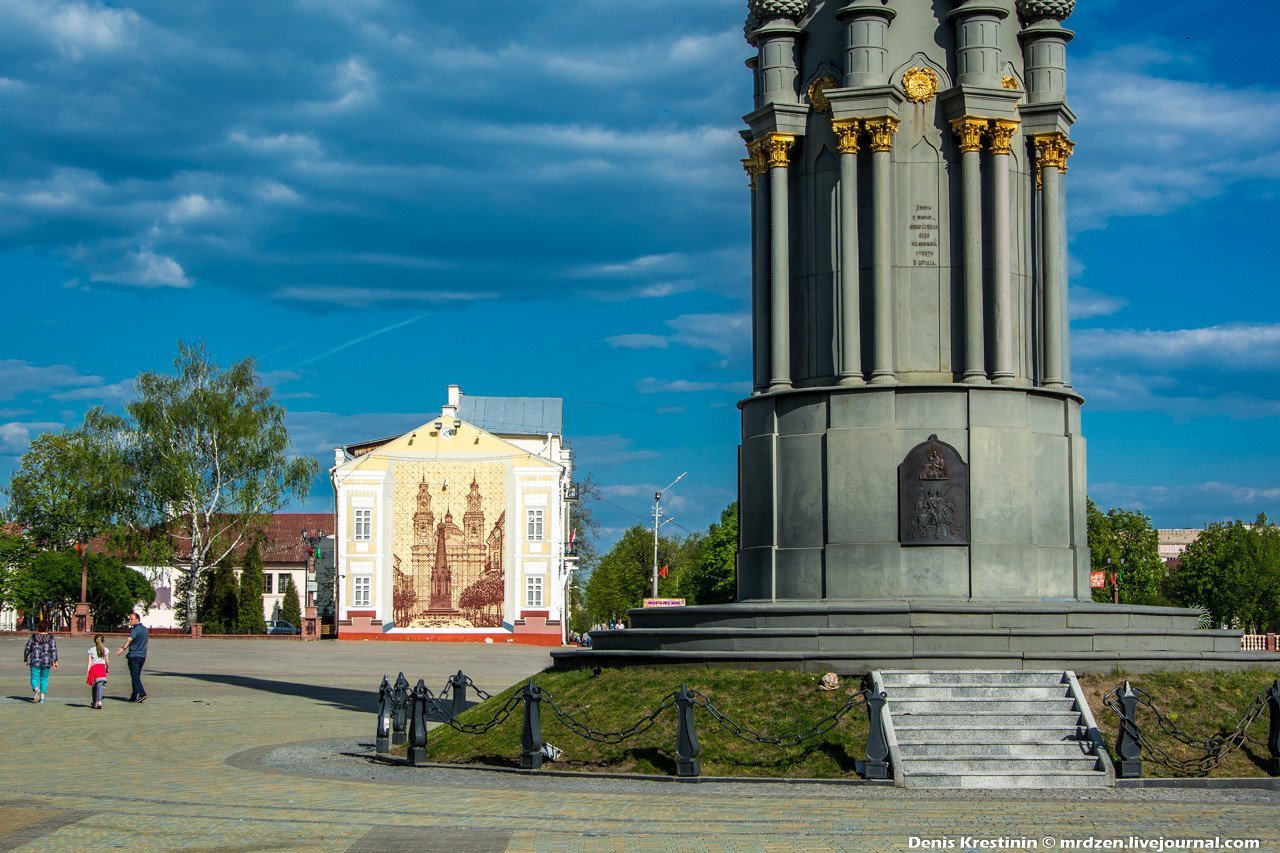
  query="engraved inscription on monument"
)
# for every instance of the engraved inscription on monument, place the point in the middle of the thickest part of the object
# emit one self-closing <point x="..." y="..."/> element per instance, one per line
<point x="933" y="496"/>
<point x="923" y="235"/>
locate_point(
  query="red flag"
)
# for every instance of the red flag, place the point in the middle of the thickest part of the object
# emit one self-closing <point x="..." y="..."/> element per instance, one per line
<point x="662" y="572"/>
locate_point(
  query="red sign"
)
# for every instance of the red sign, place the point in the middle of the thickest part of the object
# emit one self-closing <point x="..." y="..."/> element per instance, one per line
<point x="1097" y="580"/>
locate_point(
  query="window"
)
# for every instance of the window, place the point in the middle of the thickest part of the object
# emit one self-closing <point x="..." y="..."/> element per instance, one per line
<point x="266" y="587"/>
<point x="533" y="592"/>
<point x="364" y="525"/>
<point x="364" y="591"/>
<point x="534" y="533"/>
<point x="284" y="579"/>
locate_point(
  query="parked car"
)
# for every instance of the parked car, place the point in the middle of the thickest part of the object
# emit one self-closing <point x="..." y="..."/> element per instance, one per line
<point x="281" y="626"/>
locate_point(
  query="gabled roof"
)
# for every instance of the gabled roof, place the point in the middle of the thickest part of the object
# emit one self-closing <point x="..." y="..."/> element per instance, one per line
<point x="514" y="415"/>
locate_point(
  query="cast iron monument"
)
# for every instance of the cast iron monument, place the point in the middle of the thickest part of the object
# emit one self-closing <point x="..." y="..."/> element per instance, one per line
<point x="912" y="469"/>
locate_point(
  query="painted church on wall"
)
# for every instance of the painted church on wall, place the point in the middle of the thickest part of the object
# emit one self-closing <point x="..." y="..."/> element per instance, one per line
<point x="457" y="530"/>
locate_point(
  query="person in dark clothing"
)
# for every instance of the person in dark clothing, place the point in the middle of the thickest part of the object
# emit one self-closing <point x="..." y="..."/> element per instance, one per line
<point x="135" y="655"/>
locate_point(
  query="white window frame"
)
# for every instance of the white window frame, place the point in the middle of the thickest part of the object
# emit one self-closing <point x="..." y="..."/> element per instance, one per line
<point x="362" y="584"/>
<point x="534" y="591"/>
<point x="535" y="524"/>
<point x="362" y="524"/>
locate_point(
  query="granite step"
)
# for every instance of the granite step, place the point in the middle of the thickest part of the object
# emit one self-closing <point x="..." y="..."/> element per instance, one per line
<point x="903" y="678"/>
<point x="1004" y="704"/>
<point x="1009" y="779"/>
<point x="967" y="765"/>
<point x="908" y="734"/>
<point x="978" y="691"/>
<point x="1023" y="749"/>
<point x="1064" y="720"/>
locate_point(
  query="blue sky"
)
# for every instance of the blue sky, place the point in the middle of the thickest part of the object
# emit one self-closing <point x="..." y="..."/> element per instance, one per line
<point x="375" y="200"/>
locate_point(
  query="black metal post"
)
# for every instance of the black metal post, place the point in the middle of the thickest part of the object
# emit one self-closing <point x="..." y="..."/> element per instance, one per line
<point x="418" y="725"/>
<point x="401" y="696"/>
<point x="1273" y="733"/>
<point x="687" y="747"/>
<point x="383" y="738"/>
<point x="459" y="685"/>
<point x="531" y="734"/>
<point x="876" y="766"/>
<point x="1129" y="744"/>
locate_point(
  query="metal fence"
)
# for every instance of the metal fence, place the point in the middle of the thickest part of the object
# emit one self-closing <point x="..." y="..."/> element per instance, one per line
<point x="403" y="713"/>
<point x="1132" y="743"/>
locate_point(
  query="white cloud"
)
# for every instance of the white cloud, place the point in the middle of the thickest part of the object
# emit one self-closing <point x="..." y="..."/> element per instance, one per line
<point x="1197" y="503"/>
<point x="116" y="392"/>
<point x="637" y="341"/>
<point x="358" y="296"/>
<point x="81" y="28"/>
<point x="193" y="206"/>
<point x="20" y="377"/>
<point x="652" y="385"/>
<point x="725" y="334"/>
<point x="613" y="449"/>
<point x="1230" y="346"/>
<point x="1086" y="303"/>
<point x="15" y="436"/>
<point x="146" y="269"/>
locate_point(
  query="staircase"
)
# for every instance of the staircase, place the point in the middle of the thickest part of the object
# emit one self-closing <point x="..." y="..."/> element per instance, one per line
<point x="978" y="729"/>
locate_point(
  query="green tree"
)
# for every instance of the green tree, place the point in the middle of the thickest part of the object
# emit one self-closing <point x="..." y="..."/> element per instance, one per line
<point x="1233" y="573"/>
<point x="623" y="576"/>
<point x="220" y="604"/>
<point x="711" y="576"/>
<point x="291" y="606"/>
<point x="1124" y="541"/>
<point x="252" y="586"/>
<point x="49" y="586"/>
<point x="15" y="557"/>
<point x="211" y="456"/>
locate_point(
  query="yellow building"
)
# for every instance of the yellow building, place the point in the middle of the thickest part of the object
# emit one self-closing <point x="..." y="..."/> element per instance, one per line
<point x="457" y="530"/>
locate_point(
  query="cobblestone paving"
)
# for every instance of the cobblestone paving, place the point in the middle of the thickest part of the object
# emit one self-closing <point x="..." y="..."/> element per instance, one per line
<point x="171" y="773"/>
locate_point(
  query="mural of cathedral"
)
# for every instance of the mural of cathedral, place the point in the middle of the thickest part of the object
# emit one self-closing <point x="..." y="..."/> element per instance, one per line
<point x="448" y="569"/>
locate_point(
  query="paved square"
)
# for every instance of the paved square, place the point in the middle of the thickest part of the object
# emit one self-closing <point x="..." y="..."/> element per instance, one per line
<point x="201" y="766"/>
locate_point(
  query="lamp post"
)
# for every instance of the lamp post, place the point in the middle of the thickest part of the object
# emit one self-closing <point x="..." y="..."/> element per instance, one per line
<point x="311" y="539"/>
<point x="657" y="523"/>
<point x="1115" y="579"/>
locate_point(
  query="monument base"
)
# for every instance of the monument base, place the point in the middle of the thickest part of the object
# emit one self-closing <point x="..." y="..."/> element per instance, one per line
<point x="856" y="637"/>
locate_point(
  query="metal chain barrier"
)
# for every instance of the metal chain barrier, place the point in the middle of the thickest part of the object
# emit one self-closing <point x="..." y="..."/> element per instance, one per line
<point x="474" y="689"/>
<point x="1216" y="748"/>
<point x="498" y="718"/>
<point x="584" y="731"/>
<point x="820" y="728"/>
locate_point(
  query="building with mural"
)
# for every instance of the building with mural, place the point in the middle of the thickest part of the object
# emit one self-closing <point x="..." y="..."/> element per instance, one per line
<point x="457" y="530"/>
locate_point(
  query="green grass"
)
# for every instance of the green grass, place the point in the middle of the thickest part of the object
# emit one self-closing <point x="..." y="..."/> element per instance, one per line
<point x="1200" y="704"/>
<point x="774" y="703"/>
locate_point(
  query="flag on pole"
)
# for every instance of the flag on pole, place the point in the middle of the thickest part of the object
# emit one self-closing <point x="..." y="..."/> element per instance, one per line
<point x="662" y="572"/>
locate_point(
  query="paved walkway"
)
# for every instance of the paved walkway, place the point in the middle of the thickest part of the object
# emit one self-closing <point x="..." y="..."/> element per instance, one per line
<point x="186" y="770"/>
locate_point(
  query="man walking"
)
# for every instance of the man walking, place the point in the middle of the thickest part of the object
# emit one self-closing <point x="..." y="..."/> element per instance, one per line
<point x="135" y="654"/>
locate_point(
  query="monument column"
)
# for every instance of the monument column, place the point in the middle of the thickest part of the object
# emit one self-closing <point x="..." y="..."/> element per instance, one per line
<point x="755" y="166"/>
<point x="866" y="29"/>
<point x="1052" y="151"/>
<point x="778" y="146"/>
<point x="882" y="131"/>
<point x="850" y="292"/>
<point x="1002" y="132"/>
<point x="970" y="130"/>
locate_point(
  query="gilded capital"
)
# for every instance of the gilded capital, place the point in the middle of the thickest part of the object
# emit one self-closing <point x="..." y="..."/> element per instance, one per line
<point x="779" y="147"/>
<point x="1052" y="151"/>
<point x="882" y="131"/>
<point x="1002" y="131"/>
<point x="969" y="129"/>
<point x="847" y="131"/>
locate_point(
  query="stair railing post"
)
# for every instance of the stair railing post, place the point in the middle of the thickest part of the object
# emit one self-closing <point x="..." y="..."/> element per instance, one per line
<point x="458" y="683"/>
<point x="383" y="738"/>
<point x="687" y="747"/>
<point x="401" y="696"/>
<point x="531" y="742"/>
<point x="1129" y="744"/>
<point x="1273" y="731"/>
<point x="876" y="766"/>
<point x="418" y="725"/>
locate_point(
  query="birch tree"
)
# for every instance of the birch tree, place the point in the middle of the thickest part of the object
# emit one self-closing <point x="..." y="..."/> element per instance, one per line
<point x="210" y="455"/>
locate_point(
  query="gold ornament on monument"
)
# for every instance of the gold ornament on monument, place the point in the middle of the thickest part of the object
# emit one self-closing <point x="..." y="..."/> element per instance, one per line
<point x="1008" y="81"/>
<point x="920" y="84"/>
<point x="817" y="93"/>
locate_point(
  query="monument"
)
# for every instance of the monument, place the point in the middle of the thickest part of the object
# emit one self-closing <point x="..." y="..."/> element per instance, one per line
<point x="912" y="468"/>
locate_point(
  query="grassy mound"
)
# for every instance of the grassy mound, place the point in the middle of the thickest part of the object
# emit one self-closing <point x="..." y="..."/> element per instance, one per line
<point x="1200" y="704"/>
<point x="772" y="703"/>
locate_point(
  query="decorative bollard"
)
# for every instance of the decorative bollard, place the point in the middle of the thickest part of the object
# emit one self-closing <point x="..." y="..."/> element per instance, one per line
<point x="687" y="747"/>
<point x="876" y="767"/>
<point x="418" y="724"/>
<point x="1273" y="733"/>
<point x="531" y="734"/>
<point x="458" y="683"/>
<point x="400" y="698"/>
<point x="1129" y="744"/>
<point x="382" y="740"/>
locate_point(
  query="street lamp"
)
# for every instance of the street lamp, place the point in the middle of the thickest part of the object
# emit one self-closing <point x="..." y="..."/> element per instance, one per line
<point x="312" y="539"/>
<point x="658" y="522"/>
<point x="1115" y="579"/>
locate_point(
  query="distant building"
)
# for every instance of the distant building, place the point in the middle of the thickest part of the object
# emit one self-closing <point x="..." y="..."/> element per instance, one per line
<point x="457" y="530"/>
<point x="1173" y="541"/>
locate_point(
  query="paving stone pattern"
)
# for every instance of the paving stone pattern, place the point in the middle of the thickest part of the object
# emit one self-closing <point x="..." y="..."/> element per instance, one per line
<point x="178" y="772"/>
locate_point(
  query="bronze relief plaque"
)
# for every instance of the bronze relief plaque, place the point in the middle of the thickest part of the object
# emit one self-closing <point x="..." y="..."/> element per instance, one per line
<point x="933" y="496"/>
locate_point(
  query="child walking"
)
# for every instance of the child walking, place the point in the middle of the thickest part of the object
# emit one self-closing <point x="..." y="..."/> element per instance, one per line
<point x="96" y="674"/>
<point x="41" y="655"/>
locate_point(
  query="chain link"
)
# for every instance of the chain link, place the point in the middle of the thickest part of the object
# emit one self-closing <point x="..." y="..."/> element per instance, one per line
<point x="1216" y="748"/>
<point x="476" y="728"/>
<point x="582" y="730"/>
<point x="742" y="732"/>
<point x="474" y="689"/>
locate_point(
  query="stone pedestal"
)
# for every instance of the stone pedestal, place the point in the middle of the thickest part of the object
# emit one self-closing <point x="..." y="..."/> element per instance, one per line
<point x="82" y="619"/>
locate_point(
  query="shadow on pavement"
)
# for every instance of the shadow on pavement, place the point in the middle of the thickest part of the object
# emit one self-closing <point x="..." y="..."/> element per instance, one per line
<point x="338" y="697"/>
